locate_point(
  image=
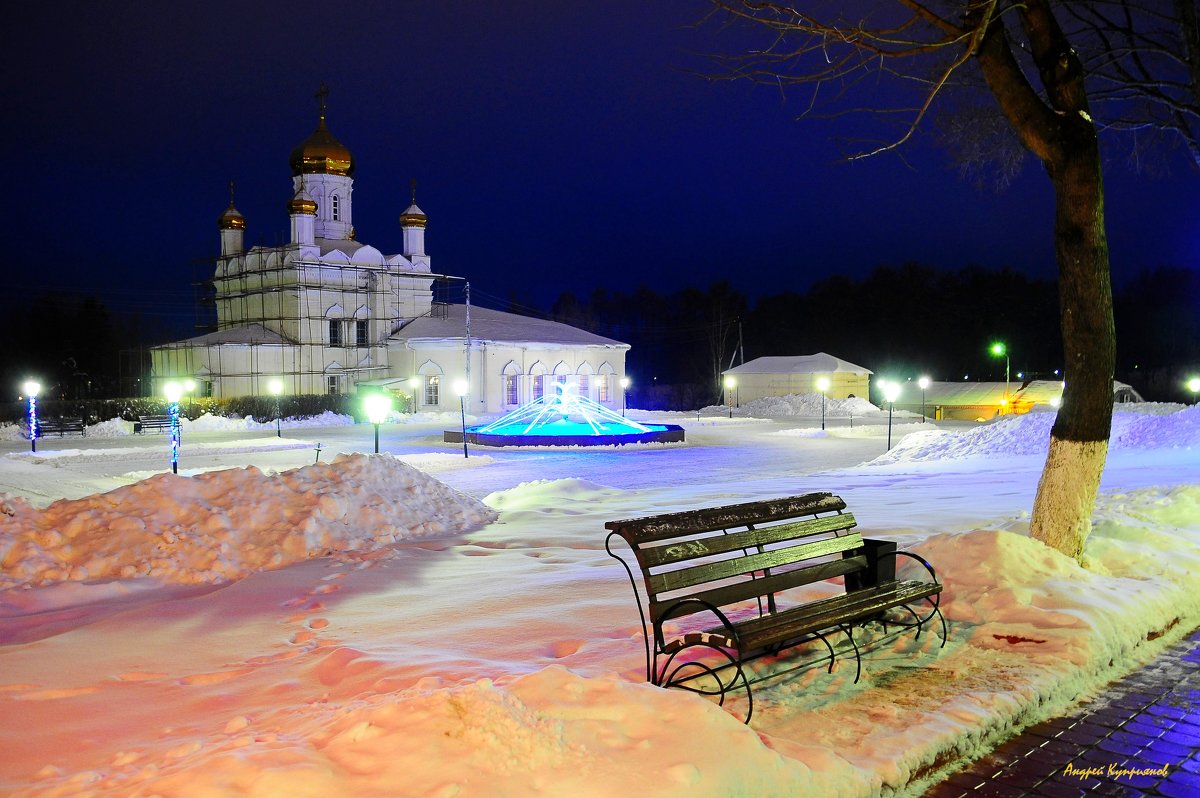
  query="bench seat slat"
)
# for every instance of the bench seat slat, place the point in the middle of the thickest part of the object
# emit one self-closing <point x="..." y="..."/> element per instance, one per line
<point x="736" y="566"/>
<point x="748" y="589"/>
<point x="690" y="522"/>
<point x="655" y="556"/>
<point x="783" y="627"/>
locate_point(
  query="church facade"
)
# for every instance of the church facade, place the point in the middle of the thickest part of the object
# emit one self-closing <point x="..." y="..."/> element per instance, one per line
<point x="326" y="313"/>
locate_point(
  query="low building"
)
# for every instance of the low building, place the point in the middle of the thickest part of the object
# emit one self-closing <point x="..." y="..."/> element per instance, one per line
<point x="798" y="374"/>
<point x="980" y="401"/>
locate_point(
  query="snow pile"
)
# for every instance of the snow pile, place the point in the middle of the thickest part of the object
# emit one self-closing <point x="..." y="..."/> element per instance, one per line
<point x="1030" y="434"/>
<point x="550" y="733"/>
<point x="223" y="525"/>
<point x="211" y="423"/>
<point x="801" y="404"/>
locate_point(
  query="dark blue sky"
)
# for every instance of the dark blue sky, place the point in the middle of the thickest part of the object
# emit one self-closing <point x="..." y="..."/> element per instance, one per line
<point x="557" y="146"/>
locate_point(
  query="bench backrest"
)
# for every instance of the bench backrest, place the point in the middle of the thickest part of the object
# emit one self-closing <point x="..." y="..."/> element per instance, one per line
<point x="728" y="555"/>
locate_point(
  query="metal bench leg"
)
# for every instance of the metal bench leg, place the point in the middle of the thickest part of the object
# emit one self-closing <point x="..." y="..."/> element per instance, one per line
<point x="849" y="630"/>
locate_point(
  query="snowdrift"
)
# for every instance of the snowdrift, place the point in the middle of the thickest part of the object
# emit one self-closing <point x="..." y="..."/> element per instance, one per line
<point x="223" y="525"/>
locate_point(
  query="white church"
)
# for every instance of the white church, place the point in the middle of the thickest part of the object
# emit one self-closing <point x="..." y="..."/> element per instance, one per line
<point x="326" y="313"/>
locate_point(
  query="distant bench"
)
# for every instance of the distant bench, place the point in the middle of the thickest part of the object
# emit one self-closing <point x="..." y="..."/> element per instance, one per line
<point x="61" y="426"/>
<point x="736" y="564"/>
<point x="158" y="423"/>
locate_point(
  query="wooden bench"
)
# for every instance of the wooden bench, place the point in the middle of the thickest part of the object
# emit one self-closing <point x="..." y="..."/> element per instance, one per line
<point x="61" y="426"/>
<point x="158" y="423"/>
<point x="743" y="567"/>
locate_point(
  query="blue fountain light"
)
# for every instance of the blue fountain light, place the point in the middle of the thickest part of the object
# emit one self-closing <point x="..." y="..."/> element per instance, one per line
<point x="564" y="418"/>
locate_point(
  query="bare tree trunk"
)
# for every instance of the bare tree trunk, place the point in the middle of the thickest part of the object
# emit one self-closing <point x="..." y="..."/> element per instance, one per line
<point x="1062" y="134"/>
<point x="1079" y="440"/>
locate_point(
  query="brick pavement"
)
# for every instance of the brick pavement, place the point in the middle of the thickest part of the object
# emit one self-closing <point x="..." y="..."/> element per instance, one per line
<point x="1140" y="737"/>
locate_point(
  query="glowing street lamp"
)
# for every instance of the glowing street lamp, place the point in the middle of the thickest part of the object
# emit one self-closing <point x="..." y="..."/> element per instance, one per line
<point x="730" y="386"/>
<point x="415" y="384"/>
<point x="378" y="406"/>
<point x="275" y="386"/>
<point x="999" y="349"/>
<point x="625" y="382"/>
<point x="891" y="392"/>
<point x="823" y="387"/>
<point x="460" y="390"/>
<point x="1194" y="386"/>
<point x="923" y="382"/>
<point x="32" y="388"/>
<point x="174" y="391"/>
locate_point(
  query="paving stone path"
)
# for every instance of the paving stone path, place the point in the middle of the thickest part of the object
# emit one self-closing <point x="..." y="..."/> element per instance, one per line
<point x="1140" y="737"/>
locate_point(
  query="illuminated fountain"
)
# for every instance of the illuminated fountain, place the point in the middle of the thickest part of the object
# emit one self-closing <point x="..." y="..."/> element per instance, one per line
<point x="565" y="419"/>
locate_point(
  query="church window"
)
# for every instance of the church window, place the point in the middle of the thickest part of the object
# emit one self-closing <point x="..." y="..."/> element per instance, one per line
<point x="433" y="384"/>
<point x="539" y="385"/>
<point x="335" y="332"/>
<point x="331" y="384"/>
<point x="602" y="389"/>
<point x="510" y="389"/>
<point x="360" y="333"/>
<point x="583" y="385"/>
<point x="335" y="206"/>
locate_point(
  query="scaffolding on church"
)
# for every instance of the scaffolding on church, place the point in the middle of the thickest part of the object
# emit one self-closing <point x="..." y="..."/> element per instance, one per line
<point x="274" y="321"/>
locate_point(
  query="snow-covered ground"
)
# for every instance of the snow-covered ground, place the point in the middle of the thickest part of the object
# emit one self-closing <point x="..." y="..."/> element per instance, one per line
<point x="418" y="623"/>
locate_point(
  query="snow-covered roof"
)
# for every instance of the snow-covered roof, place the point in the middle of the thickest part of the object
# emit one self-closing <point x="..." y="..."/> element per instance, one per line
<point x="798" y="364"/>
<point x="246" y="335"/>
<point x="959" y="393"/>
<point x="497" y="326"/>
<point x="992" y="393"/>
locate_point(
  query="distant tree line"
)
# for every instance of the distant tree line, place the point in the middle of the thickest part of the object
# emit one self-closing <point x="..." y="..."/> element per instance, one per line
<point x="899" y="322"/>
<point x="902" y="322"/>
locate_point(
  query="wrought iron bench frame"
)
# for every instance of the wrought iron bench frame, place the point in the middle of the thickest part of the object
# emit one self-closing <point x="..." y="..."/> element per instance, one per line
<point x="159" y="423"/>
<point x="725" y="560"/>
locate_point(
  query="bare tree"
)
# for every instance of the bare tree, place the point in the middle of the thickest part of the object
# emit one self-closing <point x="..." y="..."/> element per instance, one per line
<point x="897" y="57"/>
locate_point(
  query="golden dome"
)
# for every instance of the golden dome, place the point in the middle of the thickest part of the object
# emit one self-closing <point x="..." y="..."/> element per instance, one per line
<point x="321" y="153"/>
<point x="413" y="217"/>
<point x="231" y="219"/>
<point x="302" y="203"/>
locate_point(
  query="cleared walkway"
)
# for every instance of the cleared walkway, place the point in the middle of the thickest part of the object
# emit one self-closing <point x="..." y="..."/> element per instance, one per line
<point x="1141" y="737"/>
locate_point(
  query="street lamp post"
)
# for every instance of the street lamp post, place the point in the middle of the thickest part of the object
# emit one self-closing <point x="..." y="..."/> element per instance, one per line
<point x="174" y="391"/>
<point x="891" y="392"/>
<point x="32" y="388"/>
<point x="377" y="406"/>
<point x="823" y="387"/>
<point x="730" y="385"/>
<point x="924" y="383"/>
<point x="275" y="386"/>
<point x="624" y="394"/>
<point x="999" y="349"/>
<point x="1193" y="385"/>
<point x="460" y="389"/>
<point x="415" y="384"/>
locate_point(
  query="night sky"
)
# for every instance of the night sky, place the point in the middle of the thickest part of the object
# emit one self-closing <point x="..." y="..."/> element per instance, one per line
<point x="557" y="146"/>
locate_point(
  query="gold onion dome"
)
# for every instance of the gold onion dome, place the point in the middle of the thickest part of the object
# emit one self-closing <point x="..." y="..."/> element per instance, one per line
<point x="302" y="203"/>
<point x="413" y="217"/>
<point x="231" y="219"/>
<point x="321" y="153"/>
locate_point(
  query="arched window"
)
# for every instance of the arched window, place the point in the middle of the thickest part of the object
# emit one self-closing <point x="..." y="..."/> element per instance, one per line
<point x="512" y="383"/>
<point x="584" y="375"/>
<point x="335" y="206"/>
<point x="604" y="383"/>
<point x="431" y="374"/>
<point x="538" y="370"/>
